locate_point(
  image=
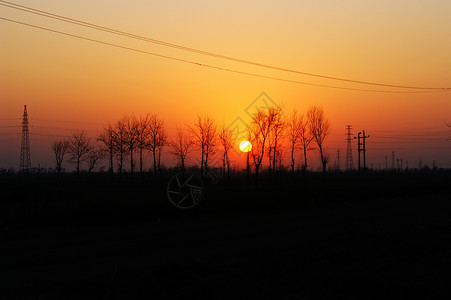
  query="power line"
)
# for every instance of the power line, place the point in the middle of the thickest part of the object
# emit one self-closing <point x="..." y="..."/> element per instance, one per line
<point x="198" y="51"/>
<point x="411" y="138"/>
<point x="66" y="121"/>
<point x="52" y="128"/>
<point x="409" y="142"/>
<point x="52" y="135"/>
<point x="220" y="68"/>
<point x="396" y="148"/>
<point x="194" y="50"/>
<point x="410" y="132"/>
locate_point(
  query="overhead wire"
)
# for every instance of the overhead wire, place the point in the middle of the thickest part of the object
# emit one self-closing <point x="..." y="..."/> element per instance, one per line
<point x="198" y="51"/>
<point x="215" y="67"/>
<point x="66" y="121"/>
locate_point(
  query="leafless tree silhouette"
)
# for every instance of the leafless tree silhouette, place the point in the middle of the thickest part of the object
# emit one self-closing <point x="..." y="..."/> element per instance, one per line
<point x="319" y="128"/>
<point x="131" y="137"/>
<point x="294" y="133"/>
<point x="156" y="139"/>
<point x="203" y="135"/>
<point x="276" y="133"/>
<point x="260" y="126"/>
<point x="180" y="146"/>
<point x="142" y="138"/>
<point x="227" y="140"/>
<point x="107" y="139"/>
<point x="79" y="147"/>
<point x="249" y="137"/>
<point x="119" y="138"/>
<point x="305" y="139"/>
<point x="94" y="156"/>
<point x="60" y="148"/>
<point x="162" y="141"/>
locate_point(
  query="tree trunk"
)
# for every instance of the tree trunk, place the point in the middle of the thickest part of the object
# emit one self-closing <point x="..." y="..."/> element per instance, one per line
<point x="323" y="163"/>
<point x="78" y="166"/>
<point x="131" y="161"/>
<point x="154" y="154"/>
<point x="228" y="166"/>
<point x="141" y="161"/>
<point x="111" y="162"/>
<point x="257" y="166"/>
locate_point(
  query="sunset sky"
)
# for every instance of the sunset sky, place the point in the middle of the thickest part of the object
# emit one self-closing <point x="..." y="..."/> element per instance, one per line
<point x="68" y="83"/>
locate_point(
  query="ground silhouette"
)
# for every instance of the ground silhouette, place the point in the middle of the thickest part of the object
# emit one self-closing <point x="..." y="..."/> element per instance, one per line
<point x="357" y="236"/>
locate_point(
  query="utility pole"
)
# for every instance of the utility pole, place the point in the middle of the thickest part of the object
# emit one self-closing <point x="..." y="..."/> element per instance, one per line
<point x="361" y="147"/>
<point x="358" y="147"/>
<point x="338" y="159"/>
<point x="25" y="160"/>
<point x="364" y="149"/>
<point x="349" y="164"/>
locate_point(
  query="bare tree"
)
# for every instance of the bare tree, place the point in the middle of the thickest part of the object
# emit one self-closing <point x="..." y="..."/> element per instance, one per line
<point x="319" y="128"/>
<point x="162" y="141"/>
<point x="156" y="139"/>
<point x="276" y="134"/>
<point x="107" y="139"/>
<point x="94" y="156"/>
<point x="305" y="140"/>
<point x="119" y="138"/>
<point x="180" y="146"/>
<point x="227" y="139"/>
<point x="259" y="129"/>
<point x="249" y="137"/>
<point x="280" y="153"/>
<point x="203" y="135"/>
<point x="131" y="137"/>
<point x="294" y="132"/>
<point x="79" y="146"/>
<point x="142" y="138"/>
<point x="60" y="148"/>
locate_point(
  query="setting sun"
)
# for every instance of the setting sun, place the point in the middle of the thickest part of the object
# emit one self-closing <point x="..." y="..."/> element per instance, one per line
<point x="245" y="146"/>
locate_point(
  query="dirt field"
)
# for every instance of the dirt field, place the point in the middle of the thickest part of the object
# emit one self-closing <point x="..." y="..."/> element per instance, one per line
<point x="353" y="237"/>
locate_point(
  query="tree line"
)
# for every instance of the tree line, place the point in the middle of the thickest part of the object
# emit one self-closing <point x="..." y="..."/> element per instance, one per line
<point x="271" y="132"/>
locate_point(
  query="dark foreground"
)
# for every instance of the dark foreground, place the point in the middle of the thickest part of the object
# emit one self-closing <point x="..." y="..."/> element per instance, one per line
<point x="364" y="238"/>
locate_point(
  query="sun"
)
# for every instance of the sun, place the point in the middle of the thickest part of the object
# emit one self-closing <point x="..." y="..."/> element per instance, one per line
<point x="245" y="146"/>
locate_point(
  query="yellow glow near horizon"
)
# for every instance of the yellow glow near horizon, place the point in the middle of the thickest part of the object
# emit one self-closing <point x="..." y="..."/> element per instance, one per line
<point x="245" y="146"/>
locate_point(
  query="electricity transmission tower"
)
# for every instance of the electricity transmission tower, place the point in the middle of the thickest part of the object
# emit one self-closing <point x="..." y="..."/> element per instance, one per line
<point x="349" y="164"/>
<point x="25" y="160"/>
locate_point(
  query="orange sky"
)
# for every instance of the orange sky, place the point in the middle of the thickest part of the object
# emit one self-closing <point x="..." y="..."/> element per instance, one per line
<point x="62" y="78"/>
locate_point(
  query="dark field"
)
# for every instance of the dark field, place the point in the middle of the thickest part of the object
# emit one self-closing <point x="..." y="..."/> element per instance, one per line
<point x="372" y="236"/>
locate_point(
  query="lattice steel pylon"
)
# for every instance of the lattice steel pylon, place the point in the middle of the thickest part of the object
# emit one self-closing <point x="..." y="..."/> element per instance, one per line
<point x="349" y="164"/>
<point x="25" y="160"/>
